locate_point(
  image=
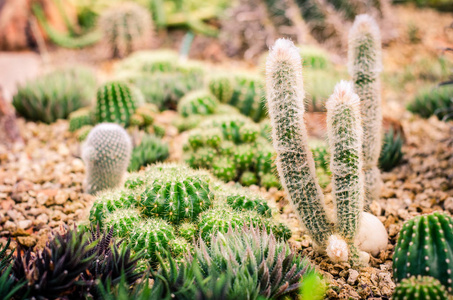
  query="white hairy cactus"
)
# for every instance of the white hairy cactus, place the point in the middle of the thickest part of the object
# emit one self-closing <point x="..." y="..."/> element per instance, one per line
<point x="295" y="164"/>
<point x="337" y="249"/>
<point x="365" y="64"/>
<point x="106" y="153"/>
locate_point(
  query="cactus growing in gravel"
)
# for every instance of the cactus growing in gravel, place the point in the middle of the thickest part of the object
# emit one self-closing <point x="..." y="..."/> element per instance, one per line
<point x="122" y="221"/>
<point x="420" y="288"/>
<point x="80" y="118"/>
<point x="391" y="153"/>
<point x="199" y="102"/>
<point x="345" y="138"/>
<point x="126" y="28"/>
<point x="116" y="102"/>
<point x="295" y="164"/>
<point x="425" y="247"/>
<point x="106" y="153"/>
<point x="365" y="64"/>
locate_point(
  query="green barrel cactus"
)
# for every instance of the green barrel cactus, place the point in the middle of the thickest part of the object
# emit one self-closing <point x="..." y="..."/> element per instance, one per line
<point x="116" y="103"/>
<point x="109" y="202"/>
<point x="420" y="288"/>
<point x="243" y="199"/>
<point x="188" y="231"/>
<point x="221" y="86"/>
<point x="79" y="118"/>
<point x="425" y="247"/>
<point x="106" y="153"/>
<point x="151" y="150"/>
<point x="199" y="102"/>
<point x="248" y="178"/>
<point x="248" y="96"/>
<point x="123" y="221"/>
<point x="230" y="126"/>
<point x="179" y="247"/>
<point x="269" y="180"/>
<point x="152" y="237"/>
<point x="224" y="168"/>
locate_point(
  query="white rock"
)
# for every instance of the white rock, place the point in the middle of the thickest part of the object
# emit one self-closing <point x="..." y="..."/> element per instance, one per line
<point x="337" y="249"/>
<point x="372" y="236"/>
<point x="24" y="224"/>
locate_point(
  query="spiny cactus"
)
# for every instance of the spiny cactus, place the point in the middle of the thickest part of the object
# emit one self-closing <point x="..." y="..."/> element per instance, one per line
<point x="248" y="96"/>
<point x="269" y="180"/>
<point x="345" y="138"/>
<point x="150" y="150"/>
<point x="152" y="237"/>
<point x="83" y="132"/>
<point x="295" y="164"/>
<point x="126" y="27"/>
<point x="314" y="57"/>
<point x="106" y="153"/>
<point x="224" y="168"/>
<point x="248" y="178"/>
<point x="242" y="199"/>
<point x="391" y="153"/>
<point x="80" y="118"/>
<point x="179" y="247"/>
<point x="199" y="102"/>
<point x="188" y="231"/>
<point x="420" y="288"/>
<point x="221" y="86"/>
<point x="365" y="64"/>
<point x="122" y="221"/>
<point x="116" y="103"/>
<point x="425" y="247"/>
<point x="175" y="195"/>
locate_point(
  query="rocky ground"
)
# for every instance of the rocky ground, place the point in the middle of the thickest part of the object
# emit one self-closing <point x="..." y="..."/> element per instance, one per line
<point x="41" y="188"/>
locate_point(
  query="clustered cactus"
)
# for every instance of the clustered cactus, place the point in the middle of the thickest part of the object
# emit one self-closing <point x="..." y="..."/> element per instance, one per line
<point x="420" y="288"/>
<point x="232" y="147"/>
<point x="106" y="153"/>
<point x="199" y="102"/>
<point x="126" y="28"/>
<point x="168" y="206"/>
<point x="150" y="150"/>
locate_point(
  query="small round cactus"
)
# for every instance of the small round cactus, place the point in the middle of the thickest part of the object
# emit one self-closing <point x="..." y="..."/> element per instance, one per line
<point x="123" y="221"/>
<point x="80" y="118"/>
<point x="224" y="168"/>
<point x="126" y="27"/>
<point x="420" y="288"/>
<point x="199" y="102"/>
<point x="188" y="231"/>
<point x="115" y="103"/>
<point x="244" y="156"/>
<point x="248" y="178"/>
<point x="221" y="86"/>
<point x="175" y="195"/>
<point x="218" y="220"/>
<point x="425" y="247"/>
<point x="179" y="246"/>
<point x="152" y="237"/>
<point x="269" y="180"/>
<point x="109" y="202"/>
<point x="106" y="153"/>
<point x="248" y="96"/>
<point x="230" y="126"/>
<point x="202" y="158"/>
<point x="242" y="199"/>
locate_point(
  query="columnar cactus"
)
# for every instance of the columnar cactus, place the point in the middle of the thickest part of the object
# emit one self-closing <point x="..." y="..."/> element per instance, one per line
<point x="345" y="138"/>
<point x="126" y="27"/>
<point x="106" y="153"/>
<point x="425" y="247"/>
<point x="365" y="64"/>
<point x="116" y="103"/>
<point x="295" y="164"/>
<point x="420" y="288"/>
<point x="199" y="102"/>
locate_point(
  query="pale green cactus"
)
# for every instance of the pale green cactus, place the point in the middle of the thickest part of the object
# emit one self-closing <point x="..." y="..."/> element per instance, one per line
<point x="106" y="153"/>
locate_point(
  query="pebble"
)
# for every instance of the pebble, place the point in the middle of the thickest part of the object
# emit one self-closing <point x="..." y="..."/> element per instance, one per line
<point x="24" y="224"/>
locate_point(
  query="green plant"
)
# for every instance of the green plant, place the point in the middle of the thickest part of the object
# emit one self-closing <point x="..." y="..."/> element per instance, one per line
<point x="248" y="95"/>
<point x="435" y="101"/>
<point x="242" y="199"/>
<point x="221" y="86"/>
<point x="188" y="231"/>
<point x="83" y="132"/>
<point x="10" y="288"/>
<point x="365" y="65"/>
<point x="122" y="221"/>
<point x="106" y="153"/>
<point x="319" y="85"/>
<point x="116" y="103"/>
<point x="269" y="180"/>
<point x="314" y="57"/>
<point x="150" y="150"/>
<point x="80" y="118"/>
<point x="224" y="168"/>
<point x="248" y="178"/>
<point x="5" y="259"/>
<point x="391" y="153"/>
<point x="420" y="287"/>
<point x="425" y="247"/>
<point x="126" y="28"/>
<point x="199" y="102"/>
<point x="55" y="95"/>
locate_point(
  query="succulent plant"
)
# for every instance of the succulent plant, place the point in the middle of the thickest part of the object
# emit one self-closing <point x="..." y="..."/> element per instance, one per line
<point x="5" y="259"/>
<point x="391" y="153"/>
<point x="188" y="231"/>
<point x="126" y="27"/>
<point x="179" y="247"/>
<point x="425" y="247"/>
<point x="224" y="168"/>
<point x="83" y="132"/>
<point x="420" y="287"/>
<point x="10" y="288"/>
<point x="122" y="221"/>
<point x="248" y="95"/>
<point x="116" y="103"/>
<point x="150" y="150"/>
<point x="55" y="95"/>
<point x="80" y="118"/>
<point x="269" y="180"/>
<point x="199" y="102"/>
<point x="221" y="86"/>
<point x="248" y="178"/>
<point x="244" y="156"/>
<point x="243" y="199"/>
<point x="433" y="101"/>
<point x="314" y="57"/>
<point x="365" y="65"/>
<point x="106" y="153"/>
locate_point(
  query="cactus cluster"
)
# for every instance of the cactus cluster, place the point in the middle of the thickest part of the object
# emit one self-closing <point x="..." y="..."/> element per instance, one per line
<point x="199" y="102"/>
<point x="55" y="95"/>
<point x="420" y="288"/>
<point x="433" y="101"/>
<point x="233" y="148"/>
<point x="150" y="150"/>
<point x="106" y="153"/>
<point x="126" y="28"/>
<point x="425" y="247"/>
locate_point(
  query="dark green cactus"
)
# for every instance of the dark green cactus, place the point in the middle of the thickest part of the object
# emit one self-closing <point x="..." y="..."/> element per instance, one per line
<point x="420" y="288"/>
<point x="116" y="103"/>
<point x="123" y="221"/>
<point x="199" y="102"/>
<point x="425" y="247"/>
<point x="391" y="153"/>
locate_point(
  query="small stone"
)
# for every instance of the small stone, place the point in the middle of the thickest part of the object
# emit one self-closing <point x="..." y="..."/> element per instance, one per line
<point x="28" y="241"/>
<point x="63" y="150"/>
<point x="42" y="219"/>
<point x="353" y="275"/>
<point x="61" y="197"/>
<point x="25" y="224"/>
<point x="10" y="226"/>
<point x="77" y="165"/>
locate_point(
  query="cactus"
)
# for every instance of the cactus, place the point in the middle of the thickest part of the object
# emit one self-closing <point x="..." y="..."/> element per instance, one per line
<point x="175" y="195"/>
<point x="106" y="153"/>
<point x="126" y="28"/>
<point x="83" y="132"/>
<point x="224" y="168"/>
<point x="242" y="199"/>
<point x="295" y="162"/>
<point x="152" y="237"/>
<point x="150" y="150"/>
<point x="115" y="103"/>
<point x="123" y="221"/>
<point x="365" y="64"/>
<point x="420" y="288"/>
<point x="248" y="178"/>
<point x="244" y="156"/>
<point x="248" y="95"/>
<point x="391" y="153"/>
<point x="188" y="231"/>
<point x="425" y="247"/>
<point x="55" y="95"/>
<point x="179" y="247"/>
<point x="221" y="86"/>
<point x="79" y="118"/>
<point x="269" y="180"/>
<point x="315" y="57"/>
<point x="199" y="102"/>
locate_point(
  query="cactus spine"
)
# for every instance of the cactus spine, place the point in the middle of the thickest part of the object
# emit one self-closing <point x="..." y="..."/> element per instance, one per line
<point x="106" y="153"/>
<point x="365" y="64"/>
<point x="295" y="164"/>
<point x="425" y="247"/>
<point x="345" y="138"/>
<point x="420" y="288"/>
